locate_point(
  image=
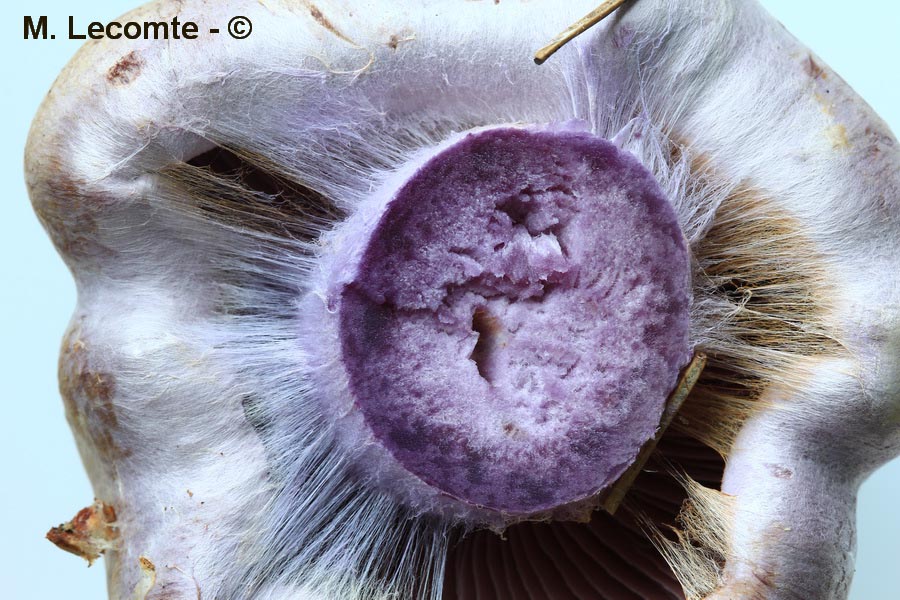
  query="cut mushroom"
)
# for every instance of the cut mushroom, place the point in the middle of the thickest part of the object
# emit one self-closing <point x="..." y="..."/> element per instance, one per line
<point x="400" y="312"/>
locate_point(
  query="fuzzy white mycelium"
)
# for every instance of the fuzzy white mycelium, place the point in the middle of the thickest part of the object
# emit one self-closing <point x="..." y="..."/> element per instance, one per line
<point x="198" y="190"/>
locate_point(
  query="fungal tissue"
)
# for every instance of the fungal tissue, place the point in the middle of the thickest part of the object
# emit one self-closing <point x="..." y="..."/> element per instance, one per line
<point x="373" y="306"/>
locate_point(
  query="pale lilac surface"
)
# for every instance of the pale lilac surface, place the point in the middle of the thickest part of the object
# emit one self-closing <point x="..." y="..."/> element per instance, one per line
<point x="519" y="317"/>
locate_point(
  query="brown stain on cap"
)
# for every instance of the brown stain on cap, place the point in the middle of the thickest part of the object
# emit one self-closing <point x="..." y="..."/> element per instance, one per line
<point x="89" y="534"/>
<point x="88" y="396"/>
<point x="316" y="13"/>
<point x="147" y="581"/>
<point x="400" y="38"/>
<point x="69" y="212"/>
<point x="126" y="69"/>
<point x="813" y="68"/>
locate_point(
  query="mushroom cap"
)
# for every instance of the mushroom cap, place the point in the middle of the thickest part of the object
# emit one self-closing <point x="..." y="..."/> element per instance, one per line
<point x="158" y="364"/>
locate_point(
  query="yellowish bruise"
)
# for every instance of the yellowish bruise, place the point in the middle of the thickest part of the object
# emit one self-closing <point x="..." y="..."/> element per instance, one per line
<point x="147" y="580"/>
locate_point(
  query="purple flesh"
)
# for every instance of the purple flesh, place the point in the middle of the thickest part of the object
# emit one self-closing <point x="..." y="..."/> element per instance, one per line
<point x="518" y="318"/>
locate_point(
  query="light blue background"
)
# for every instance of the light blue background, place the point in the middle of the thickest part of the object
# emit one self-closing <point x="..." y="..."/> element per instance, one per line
<point x="44" y="482"/>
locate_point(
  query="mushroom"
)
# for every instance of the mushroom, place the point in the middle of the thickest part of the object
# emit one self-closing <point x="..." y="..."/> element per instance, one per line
<point x="404" y="313"/>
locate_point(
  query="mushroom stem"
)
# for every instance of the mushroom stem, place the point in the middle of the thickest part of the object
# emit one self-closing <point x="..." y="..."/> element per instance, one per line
<point x="576" y="29"/>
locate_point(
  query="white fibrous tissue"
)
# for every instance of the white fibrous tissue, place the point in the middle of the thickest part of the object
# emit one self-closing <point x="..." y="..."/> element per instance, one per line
<point x="371" y="306"/>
